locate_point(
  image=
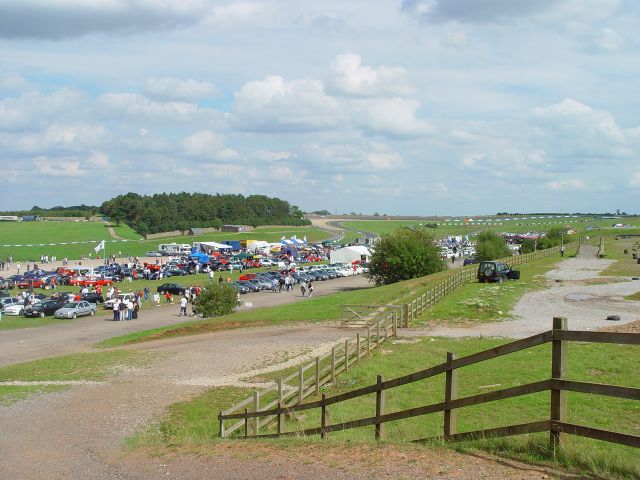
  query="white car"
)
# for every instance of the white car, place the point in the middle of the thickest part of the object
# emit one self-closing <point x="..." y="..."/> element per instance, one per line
<point x="124" y="297"/>
<point x="8" y="301"/>
<point x="16" y="309"/>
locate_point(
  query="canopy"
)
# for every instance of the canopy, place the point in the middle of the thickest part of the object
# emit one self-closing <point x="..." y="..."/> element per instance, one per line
<point x="349" y="254"/>
<point x="200" y="257"/>
<point x="214" y="245"/>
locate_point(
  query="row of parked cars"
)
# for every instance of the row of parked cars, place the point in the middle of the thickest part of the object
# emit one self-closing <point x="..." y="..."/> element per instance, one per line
<point x="60" y="306"/>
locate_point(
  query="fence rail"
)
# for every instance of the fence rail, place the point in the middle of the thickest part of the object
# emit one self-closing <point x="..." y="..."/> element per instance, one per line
<point x="290" y="391"/>
<point x="558" y="385"/>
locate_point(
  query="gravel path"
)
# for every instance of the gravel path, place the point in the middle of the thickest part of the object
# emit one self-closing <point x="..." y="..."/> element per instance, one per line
<point x="586" y="306"/>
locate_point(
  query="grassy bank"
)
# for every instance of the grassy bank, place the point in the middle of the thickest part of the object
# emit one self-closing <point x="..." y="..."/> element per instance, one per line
<point x="194" y="423"/>
<point x="95" y="366"/>
<point x="625" y="264"/>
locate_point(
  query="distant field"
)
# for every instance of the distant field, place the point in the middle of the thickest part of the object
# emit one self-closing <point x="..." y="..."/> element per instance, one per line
<point x="34" y="233"/>
<point x="381" y="227"/>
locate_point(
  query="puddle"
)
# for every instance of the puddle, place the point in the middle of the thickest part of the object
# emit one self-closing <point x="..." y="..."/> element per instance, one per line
<point x="578" y="297"/>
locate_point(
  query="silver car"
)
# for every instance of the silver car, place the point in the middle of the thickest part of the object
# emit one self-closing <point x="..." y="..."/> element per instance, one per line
<point x="76" y="309"/>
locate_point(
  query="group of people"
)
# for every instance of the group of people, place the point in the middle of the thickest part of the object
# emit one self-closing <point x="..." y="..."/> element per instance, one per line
<point x="126" y="308"/>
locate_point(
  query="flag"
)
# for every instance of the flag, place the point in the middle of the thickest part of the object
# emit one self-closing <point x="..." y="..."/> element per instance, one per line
<point x="99" y="247"/>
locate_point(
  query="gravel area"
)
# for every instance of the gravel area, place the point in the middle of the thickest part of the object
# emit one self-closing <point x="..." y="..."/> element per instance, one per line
<point x="586" y="306"/>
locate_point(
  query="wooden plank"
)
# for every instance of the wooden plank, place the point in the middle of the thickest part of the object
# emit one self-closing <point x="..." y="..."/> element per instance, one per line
<point x="380" y="409"/>
<point x="450" y="393"/>
<point x="599" y="337"/>
<point x="597" y="434"/>
<point x="238" y="406"/>
<point x="511" y="347"/>
<point x="532" y="427"/>
<point x="630" y="393"/>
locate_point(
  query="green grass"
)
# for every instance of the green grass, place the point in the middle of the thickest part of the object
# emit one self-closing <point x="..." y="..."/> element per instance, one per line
<point x="625" y="264"/>
<point x="95" y="366"/>
<point x="487" y="302"/>
<point x="24" y="233"/>
<point x="194" y="422"/>
<point x="10" y="394"/>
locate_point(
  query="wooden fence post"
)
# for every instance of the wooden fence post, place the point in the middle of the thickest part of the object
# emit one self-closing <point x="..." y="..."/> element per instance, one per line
<point x="301" y="386"/>
<point x="394" y="330"/>
<point x="346" y="355"/>
<point x="256" y="408"/>
<point x="280" y="419"/>
<point x="405" y="315"/>
<point x="378" y="333"/>
<point x="368" y="340"/>
<point x="559" y="361"/>
<point x="450" y="393"/>
<point x="317" y="375"/>
<point x="357" y="346"/>
<point x="246" y="423"/>
<point x="333" y="364"/>
<point x="280" y="390"/>
<point x="221" y="430"/>
<point x="380" y="408"/>
<point x="323" y="416"/>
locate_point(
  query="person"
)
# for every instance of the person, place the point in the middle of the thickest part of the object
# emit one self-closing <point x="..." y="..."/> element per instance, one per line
<point x="310" y="289"/>
<point x="116" y="311"/>
<point x="303" y="288"/>
<point x="183" y="306"/>
<point x="562" y="251"/>
<point x="220" y="280"/>
<point x="274" y="285"/>
<point x="136" y="309"/>
<point x="167" y="297"/>
<point x="146" y="294"/>
<point x="211" y="275"/>
<point x="129" y="309"/>
<point x="18" y="267"/>
<point x="156" y="298"/>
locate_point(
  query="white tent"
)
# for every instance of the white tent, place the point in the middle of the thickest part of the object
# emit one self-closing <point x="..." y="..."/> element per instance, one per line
<point x="349" y="254"/>
<point x="212" y="245"/>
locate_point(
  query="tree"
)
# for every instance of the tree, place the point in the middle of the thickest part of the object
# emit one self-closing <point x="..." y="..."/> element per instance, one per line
<point x="491" y="246"/>
<point x="404" y="254"/>
<point x="552" y="238"/>
<point x="217" y="300"/>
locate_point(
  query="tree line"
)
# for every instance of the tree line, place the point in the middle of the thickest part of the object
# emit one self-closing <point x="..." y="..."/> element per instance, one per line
<point x="181" y="211"/>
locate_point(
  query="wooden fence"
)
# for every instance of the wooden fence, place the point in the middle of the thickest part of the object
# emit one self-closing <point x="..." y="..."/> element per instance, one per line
<point x="556" y="424"/>
<point x="308" y="379"/>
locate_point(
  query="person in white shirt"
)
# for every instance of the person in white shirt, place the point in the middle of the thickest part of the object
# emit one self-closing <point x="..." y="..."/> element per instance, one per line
<point x="183" y="306"/>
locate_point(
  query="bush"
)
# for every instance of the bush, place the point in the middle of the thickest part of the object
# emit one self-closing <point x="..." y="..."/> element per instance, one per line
<point x="217" y="300"/>
<point x="552" y="238"/>
<point x="491" y="246"/>
<point x="404" y="254"/>
<point x="528" y="246"/>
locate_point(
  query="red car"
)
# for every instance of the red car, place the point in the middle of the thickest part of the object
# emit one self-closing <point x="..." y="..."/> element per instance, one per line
<point x="30" y="282"/>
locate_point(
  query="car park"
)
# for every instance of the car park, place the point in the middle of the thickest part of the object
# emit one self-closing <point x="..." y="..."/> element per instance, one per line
<point x="8" y="301"/>
<point x="76" y="309"/>
<point x="152" y="253"/>
<point x="240" y="288"/>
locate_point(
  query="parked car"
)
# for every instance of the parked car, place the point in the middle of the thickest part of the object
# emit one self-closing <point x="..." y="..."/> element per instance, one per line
<point x="175" y="272"/>
<point x="172" y="288"/>
<point x="496" y="272"/>
<point x="27" y="282"/>
<point x="8" y="301"/>
<point x="43" y="309"/>
<point x="92" y="297"/>
<point x="152" y="253"/>
<point x="240" y="288"/>
<point x="76" y="309"/>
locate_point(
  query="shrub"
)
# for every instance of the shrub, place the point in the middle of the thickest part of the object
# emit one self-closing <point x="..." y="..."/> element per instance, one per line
<point x="404" y="254"/>
<point x="491" y="246"/>
<point x="217" y="300"/>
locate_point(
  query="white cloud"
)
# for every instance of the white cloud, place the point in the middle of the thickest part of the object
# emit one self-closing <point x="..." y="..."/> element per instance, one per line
<point x="568" y="184"/>
<point x="456" y="40"/>
<point x="12" y="81"/>
<point x="137" y="105"/>
<point x="51" y="167"/>
<point x="275" y="104"/>
<point x="98" y="160"/>
<point x="207" y="145"/>
<point x="392" y="117"/>
<point x="634" y="181"/>
<point x="272" y="156"/>
<point x="74" y="135"/>
<point x="179" y="89"/>
<point x="350" y="77"/>
<point x="384" y="160"/>
<point x="609" y="39"/>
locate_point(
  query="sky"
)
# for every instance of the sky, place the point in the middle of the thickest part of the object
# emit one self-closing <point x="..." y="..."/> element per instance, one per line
<point x="405" y="107"/>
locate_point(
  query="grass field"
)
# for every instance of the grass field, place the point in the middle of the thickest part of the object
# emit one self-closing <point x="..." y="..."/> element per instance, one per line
<point x="194" y="422"/>
<point x="381" y="227"/>
<point x="35" y="233"/>
<point x="83" y="366"/>
<point x="625" y="264"/>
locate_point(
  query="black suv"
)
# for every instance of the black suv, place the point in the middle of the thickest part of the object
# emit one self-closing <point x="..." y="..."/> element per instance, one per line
<point x="496" y="272"/>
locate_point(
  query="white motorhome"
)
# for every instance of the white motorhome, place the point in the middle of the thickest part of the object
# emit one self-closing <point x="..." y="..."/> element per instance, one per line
<point x="174" y="248"/>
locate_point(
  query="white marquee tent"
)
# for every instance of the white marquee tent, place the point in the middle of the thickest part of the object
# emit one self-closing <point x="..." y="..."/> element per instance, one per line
<point x="349" y="254"/>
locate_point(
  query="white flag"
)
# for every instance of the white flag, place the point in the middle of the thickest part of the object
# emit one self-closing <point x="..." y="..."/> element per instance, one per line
<point x="99" y="247"/>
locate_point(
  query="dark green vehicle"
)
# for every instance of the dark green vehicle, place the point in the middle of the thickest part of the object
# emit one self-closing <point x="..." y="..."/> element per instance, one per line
<point x="496" y="272"/>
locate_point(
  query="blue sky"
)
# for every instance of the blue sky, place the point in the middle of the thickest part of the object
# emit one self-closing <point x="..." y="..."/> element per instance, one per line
<point x="401" y="107"/>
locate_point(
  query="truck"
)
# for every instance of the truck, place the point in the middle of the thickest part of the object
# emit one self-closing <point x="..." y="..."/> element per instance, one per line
<point x="169" y="249"/>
